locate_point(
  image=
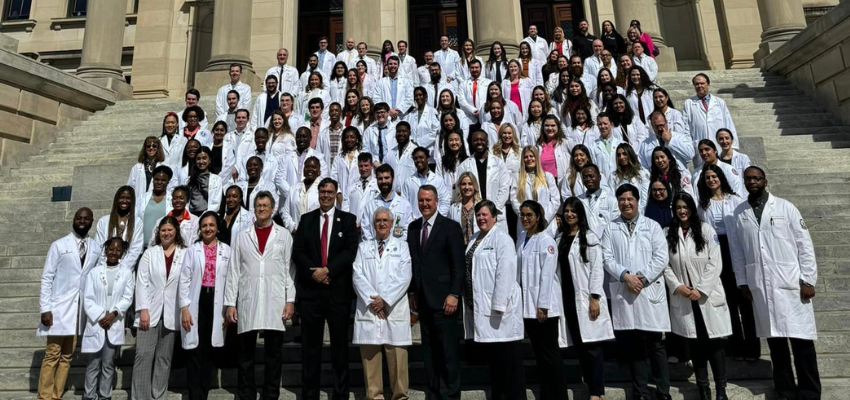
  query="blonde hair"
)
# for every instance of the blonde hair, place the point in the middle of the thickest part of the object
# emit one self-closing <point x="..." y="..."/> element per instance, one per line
<point x="476" y="197"/>
<point x="497" y="147"/>
<point x="539" y="176"/>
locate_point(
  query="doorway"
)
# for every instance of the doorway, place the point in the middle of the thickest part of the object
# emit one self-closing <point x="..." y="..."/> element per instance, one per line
<point x="317" y="18"/>
<point x="547" y="14"/>
<point x="430" y="19"/>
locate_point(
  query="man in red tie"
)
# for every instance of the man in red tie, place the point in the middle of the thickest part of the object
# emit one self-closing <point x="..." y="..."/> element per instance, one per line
<point x="324" y="249"/>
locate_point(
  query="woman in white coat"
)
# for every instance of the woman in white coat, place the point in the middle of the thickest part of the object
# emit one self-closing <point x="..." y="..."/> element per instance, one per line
<point x="201" y="300"/>
<point x="108" y="295"/>
<point x="141" y="174"/>
<point x="542" y="306"/>
<point x="665" y="167"/>
<point x="123" y="222"/>
<point x="223" y="160"/>
<point x="187" y="222"/>
<point x="729" y="154"/>
<point x="674" y="117"/>
<point x="205" y="188"/>
<point x="697" y="300"/>
<point x="529" y="129"/>
<point x="234" y="217"/>
<point x="344" y="169"/>
<point x="553" y="148"/>
<point x="492" y="312"/>
<point x="382" y="274"/>
<point x="630" y="171"/>
<point x="338" y="82"/>
<point x="532" y="183"/>
<point x="517" y="89"/>
<point x="424" y="121"/>
<point x="462" y="209"/>
<point x="157" y="314"/>
<point x="717" y="203"/>
<point x="315" y="89"/>
<point x="184" y="170"/>
<point x="585" y="306"/>
<point x="172" y="141"/>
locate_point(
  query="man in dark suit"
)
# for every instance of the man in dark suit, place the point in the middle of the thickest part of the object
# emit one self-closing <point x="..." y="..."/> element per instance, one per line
<point x="324" y="248"/>
<point x="439" y="271"/>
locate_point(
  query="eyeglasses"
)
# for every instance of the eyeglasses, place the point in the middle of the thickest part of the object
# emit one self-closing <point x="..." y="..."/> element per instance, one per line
<point x="152" y="146"/>
<point x="657" y="190"/>
<point x="527" y="216"/>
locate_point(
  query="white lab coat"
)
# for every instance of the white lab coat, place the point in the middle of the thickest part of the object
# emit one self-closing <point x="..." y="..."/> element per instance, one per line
<point x="371" y="144"/>
<point x="702" y="124"/>
<point x="455" y="214"/>
<point x="188" y="228"/>
<point x="424" y="128"/>
<point x="336" y="90"/>
<point x="135" y="246"/>
<point x="262" y="184"/>
<point x="496" y="291"/>
<point x="526" y="86"/>
<point x="448" y="60"/>
<point x="512" y="163"/>
<point x="228" y="159"/>
<point x="442" y="85"/>
<point x="245" y="219"/>
<point x="461" y="72"/>
<point x="290" y="208"/>
<point x="288" y="79"/>
<point x="588" y="278"/>
<point x="772" y="257"/>
<point x="603" y="210"/>
<point x="142" y="205"/>
<point x="402" y="163"/>
<point x="493" y="71"/>
<point x="644" y="252"/>
<point x="291" y="164"/>
<point x="539" y="48"/>
<point x="605" y="157"/>
<point x="221" y="99"/>
<point x="139" y="182"/>
<point x="189" y="291"/>
<point x="323" y="141"/>
<point x="62" y="283"/>
<point x="410" y="191"/>
<point x="388" y="276"/>
<point x="404" y="93"/>
<point x="728" y="205"/>
<point x="173" y="151"/>
<point x="566" y="47"/>
<point x="157" y="292"/>
<point x="258" y="114"/>
<point x="355" y="200"/>
<point x="282" y="144"/>
<point x="547" y="195"/>
<point x="645" y="100"/>
<point x="740" y="162"/>
<point x="306" y="96"/>
<point x="635" y="133"/>
<point x="465" y="100"/>
<point x="407" y="69"/>
<point x="96" y="305"/>
<point x="402" y="215"/>
<point x="586" y="136"/>
<point x="260" y="285"/>
<point x="562" y="158"/>
<point x="648" y="64"/>
<point x="326" y="65"/>
<point x="736" y="182"/>
<point x="537" y="261"/>
<point x="680" y="146"/>
<point x="345" y="172"/>
<point x="702" y="272"/>
<point x="371" y="68"/>
<point x="498" y="182"/>
<point x="528" y="134"/>
<point x="675" y="121"/>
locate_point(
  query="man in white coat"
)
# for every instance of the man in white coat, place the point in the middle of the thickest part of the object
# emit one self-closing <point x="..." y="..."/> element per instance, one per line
<point x="446" y="57"/>
<point x="260" y="295"/>
<point x="326" y="58"/>
<point x="59" y="303"/>
<point x="407" y="64"/>
<point x="494" y="180"/>
<point x="382" y="273"/>
<point x="704" y="114"/>
<point x="678" y="142"/>
<point x="287" y="76"/>
<point x="473" y="91"/>
<point x="236" y="84"/>
<point x="388" y="198"/>
<point x="349" y="53"/>
<point x="371" y="65"/>
<point x="394" y="89"/>
<point x="599" y="201"/>
<point x="539" y="47"/>
<point x="775" y="267"/>
<point x="266" y="103"/>
<point x="635" y="253"/>
<point x="424" y="176"/>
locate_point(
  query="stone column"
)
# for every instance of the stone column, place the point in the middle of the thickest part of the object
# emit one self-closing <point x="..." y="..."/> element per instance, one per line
<point x="102" y="46"/>
<point x="497" y="20"/>
<point x="359" y="21"/>
<point x="781" y="20"/>
<point x="645" y="11"/>
<point x="231" y="44"/>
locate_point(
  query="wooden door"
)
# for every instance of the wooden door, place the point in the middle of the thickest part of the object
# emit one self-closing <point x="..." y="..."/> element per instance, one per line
<point x="539" y="15"/>
<point x="336" y="42"/>
<point x="563" y="17"/>
<point x="311" y="29"/>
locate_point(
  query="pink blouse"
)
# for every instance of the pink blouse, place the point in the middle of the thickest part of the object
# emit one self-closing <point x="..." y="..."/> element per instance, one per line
<point x="547" y="158"/>
<point x="515" y="95"/>
<point x="209" y="265"/>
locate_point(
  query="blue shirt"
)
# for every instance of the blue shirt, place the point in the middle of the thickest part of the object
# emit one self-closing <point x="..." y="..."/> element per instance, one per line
<point x="393" y="89"/>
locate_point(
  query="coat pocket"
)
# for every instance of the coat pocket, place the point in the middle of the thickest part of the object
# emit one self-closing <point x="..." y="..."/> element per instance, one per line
<point x="788" y="276"/>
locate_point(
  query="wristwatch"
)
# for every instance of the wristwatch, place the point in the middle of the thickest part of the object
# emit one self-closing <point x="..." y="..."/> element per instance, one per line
<point x="595" y="296"/>
<point x="806" y="283"/>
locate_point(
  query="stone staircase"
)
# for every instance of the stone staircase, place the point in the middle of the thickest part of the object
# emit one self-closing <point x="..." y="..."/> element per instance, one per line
<point x="806" y="153"/>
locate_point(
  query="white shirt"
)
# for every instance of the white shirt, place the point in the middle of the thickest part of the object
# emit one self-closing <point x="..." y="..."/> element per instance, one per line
<point x="330" y="217"/>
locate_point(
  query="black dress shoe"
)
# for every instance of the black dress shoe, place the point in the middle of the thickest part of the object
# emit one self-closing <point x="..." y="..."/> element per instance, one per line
<point x="704" y="392"/>
<point x="721" y="393"/>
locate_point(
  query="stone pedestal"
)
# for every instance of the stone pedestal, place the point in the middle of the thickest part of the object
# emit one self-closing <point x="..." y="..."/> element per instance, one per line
<point x="360" y="22"/>
<point x="497" y="20"/>
<point x="231" y="44"/>
<point x="781" y="20"/>
<point x="103" y="44"/>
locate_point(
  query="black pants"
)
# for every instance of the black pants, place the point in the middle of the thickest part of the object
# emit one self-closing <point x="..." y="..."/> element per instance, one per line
<point x="199" y="361"/>
<point x="314" y="313"/>
<point x="744" y="342"/>
<point x="507" y="374"/>
<point x="590" y="357"/>
<point x="805" y="364"/>
<point x="511" y="218"/>
<point x="705" y="350"/>
<point x="440" y="334"/>
<point x="550" y="365"/>
<point x="640" y="347"/>
<point x="247" y="388"/>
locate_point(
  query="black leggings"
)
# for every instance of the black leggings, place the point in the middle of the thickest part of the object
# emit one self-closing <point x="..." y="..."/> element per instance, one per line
<point x="705" y="350"/>
<point x="744" y="341"/>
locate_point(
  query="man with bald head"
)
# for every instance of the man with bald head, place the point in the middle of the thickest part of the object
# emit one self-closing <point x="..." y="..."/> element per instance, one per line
<point x="287" y="75"/>
<point x="349" y="53"/>
<point x="60" y="302"/>
<point x="593" y="64"/>
<point x="539" y="46"/>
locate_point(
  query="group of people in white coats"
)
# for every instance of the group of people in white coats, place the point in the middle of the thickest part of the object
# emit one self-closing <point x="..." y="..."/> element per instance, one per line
<point x="555" y="196"/>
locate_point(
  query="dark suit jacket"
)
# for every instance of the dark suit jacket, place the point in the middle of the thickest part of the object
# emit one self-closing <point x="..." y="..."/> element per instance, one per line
<point x="342" y="248"/>
<point x="439" y="269"/>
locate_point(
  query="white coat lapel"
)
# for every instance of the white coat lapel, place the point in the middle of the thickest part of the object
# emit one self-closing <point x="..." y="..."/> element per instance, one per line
<point x="176" y="262"/>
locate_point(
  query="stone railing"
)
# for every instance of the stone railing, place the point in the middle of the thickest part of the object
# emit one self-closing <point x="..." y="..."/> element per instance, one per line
<point x="37" y="101"/>
<point x="818" y="61"/>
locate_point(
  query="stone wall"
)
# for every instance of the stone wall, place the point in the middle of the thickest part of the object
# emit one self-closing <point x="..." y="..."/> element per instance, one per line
<point x="818" y="61"/>
<point x="37" y="101"/>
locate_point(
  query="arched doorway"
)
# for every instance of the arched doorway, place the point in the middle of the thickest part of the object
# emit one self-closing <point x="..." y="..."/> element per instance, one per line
<point x="317" y="18"/>
<point x="201" y="39"/>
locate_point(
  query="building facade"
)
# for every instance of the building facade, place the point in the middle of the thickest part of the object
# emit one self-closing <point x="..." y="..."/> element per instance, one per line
<point x="163" y="47"/>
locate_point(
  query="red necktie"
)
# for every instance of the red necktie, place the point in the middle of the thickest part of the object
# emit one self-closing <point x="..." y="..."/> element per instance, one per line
<point x="474" y="92"/>
<point x="324" y="243"/>
<point x="704" y="104"/>
<point x="424" y="234"/>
